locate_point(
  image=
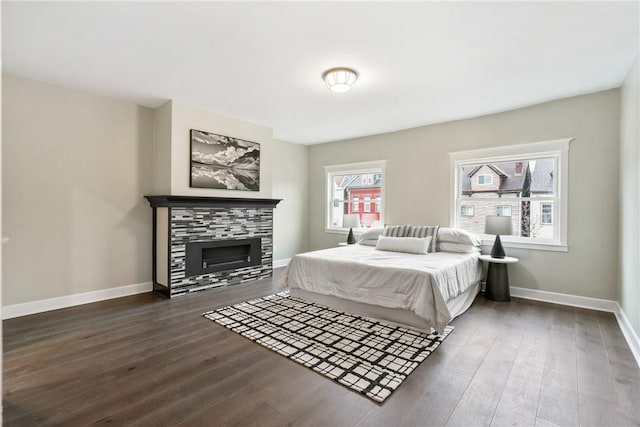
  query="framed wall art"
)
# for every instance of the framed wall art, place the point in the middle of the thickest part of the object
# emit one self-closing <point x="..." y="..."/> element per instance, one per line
<point x="223" y="162"/>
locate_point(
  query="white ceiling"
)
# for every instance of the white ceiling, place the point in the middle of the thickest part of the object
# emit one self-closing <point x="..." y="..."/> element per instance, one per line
<point x="419" y="63"/>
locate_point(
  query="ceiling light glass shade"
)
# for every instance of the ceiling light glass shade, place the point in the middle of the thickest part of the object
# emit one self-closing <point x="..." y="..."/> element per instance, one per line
<point x="340" y="79"/>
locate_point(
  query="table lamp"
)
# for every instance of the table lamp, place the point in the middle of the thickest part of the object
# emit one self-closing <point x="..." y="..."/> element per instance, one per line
<point x="352" y="221"/>
<point x="497" y="225"/>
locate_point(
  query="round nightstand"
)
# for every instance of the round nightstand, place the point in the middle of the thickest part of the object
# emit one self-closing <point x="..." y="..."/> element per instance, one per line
<point x="497" y="288"/>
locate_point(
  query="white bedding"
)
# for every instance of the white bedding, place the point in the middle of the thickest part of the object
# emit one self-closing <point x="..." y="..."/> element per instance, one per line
<point x="421" y="284"/>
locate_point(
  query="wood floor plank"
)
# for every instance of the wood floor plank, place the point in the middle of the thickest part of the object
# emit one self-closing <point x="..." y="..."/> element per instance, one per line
<point x="199" y="369"/>
<point x="144" y="360"/>
<point x="519" y="400"/>
<point x="479" y="401"/>
<point x="376" y="418"/>
<point x="558" y="400"/>
<point x="558" y="405"/>
<point x="599" y="412"/>
<point x="594" y="375"/>
<point x="544" y="423"/>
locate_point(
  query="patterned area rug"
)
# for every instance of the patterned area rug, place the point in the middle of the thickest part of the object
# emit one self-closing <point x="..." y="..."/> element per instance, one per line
<point x="367" y="356"/>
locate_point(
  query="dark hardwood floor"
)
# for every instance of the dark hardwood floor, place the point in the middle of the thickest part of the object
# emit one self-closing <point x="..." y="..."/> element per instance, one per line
<point x="142" y="360"/>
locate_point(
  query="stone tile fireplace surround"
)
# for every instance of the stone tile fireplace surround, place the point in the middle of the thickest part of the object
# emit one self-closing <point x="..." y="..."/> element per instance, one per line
<point x="201" y="243"/>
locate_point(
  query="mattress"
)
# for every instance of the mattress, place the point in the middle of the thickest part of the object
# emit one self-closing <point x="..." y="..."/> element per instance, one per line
<point x="420" y="284"/>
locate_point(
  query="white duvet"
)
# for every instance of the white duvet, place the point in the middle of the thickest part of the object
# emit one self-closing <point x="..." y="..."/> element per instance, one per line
<point x="418" y="283"/>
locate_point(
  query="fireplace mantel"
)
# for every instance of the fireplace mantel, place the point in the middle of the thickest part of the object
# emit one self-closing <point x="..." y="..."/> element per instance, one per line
<point x="163" y="201"/>
<point x="186" y="228"/>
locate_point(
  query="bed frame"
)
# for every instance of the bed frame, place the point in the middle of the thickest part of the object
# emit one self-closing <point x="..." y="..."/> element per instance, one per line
<point x="396" y="316"/>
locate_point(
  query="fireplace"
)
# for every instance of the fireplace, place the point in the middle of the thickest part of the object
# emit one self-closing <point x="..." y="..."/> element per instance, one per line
<point x="221" y="255"/>
<point x="202" y="243"/>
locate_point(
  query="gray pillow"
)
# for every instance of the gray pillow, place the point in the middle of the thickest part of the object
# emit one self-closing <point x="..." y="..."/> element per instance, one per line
<point x="396" y="230"/>
<point x="425" y="231"/>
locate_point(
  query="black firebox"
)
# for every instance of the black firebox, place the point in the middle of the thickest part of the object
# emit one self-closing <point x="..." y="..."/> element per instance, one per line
<point x="221" y="255"/>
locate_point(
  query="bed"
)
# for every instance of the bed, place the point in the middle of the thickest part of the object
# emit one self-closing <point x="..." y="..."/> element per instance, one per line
<point x="420" y="291"/>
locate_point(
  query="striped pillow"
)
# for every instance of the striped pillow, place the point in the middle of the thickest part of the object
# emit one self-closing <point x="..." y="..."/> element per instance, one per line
<point x="396" y="230"/>
<point x="425" y="231"/>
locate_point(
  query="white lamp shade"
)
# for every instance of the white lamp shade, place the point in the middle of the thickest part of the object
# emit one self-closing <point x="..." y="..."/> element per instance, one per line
<point x="498" y="225"/>
<point x="340" y="79"/>
<point x="351" y="221"/>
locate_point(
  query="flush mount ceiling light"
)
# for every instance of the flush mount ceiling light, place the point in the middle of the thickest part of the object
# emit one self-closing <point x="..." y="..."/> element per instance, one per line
<point x="340" y="79"/>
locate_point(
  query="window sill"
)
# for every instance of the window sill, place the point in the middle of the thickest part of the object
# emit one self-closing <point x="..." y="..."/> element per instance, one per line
<point x="345" y="231"/>
<point x="551" y="247"/>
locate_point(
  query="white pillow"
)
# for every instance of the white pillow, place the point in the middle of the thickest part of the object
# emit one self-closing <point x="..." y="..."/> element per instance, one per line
<point x="372" y="234"/>
<point x="368" y="242"/>
<point x="412" y="245"/>
<point x="457" y="247"/>
<point x="456" y="235"/>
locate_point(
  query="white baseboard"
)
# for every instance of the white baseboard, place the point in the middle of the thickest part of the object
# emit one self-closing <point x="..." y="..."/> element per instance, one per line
<point x="566" y="299"/>
<point x="586" y="302"/>
<point x="629" y="333"/>
<point x="40" y="306"/>
<point x="281" y="262"/>
<point x="24" y="309"/>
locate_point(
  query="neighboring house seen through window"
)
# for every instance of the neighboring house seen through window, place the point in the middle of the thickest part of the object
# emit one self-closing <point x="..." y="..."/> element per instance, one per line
<point x="485" y="179"/>
<point x="466" y="210"/>
<point x="351" y="189"/>
<point x="503" y="210"/>
<point x="546" y="213"/>
<point x="529" y="185"/>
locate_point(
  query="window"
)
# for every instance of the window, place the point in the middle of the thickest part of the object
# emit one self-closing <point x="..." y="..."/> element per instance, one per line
<point x="485" y="179"/>
<point x="351" y="189"/>
<point x="466" y="210"/>
<point x="519" y="168"/>
<point x="533" y="191"/>
<point x="503" y="210"/>
<point x="367" y="203"/>
<point x="546" y="214"/>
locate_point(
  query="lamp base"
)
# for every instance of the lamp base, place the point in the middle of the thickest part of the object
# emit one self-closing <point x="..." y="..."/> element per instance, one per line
<point x="497" y="251"/>
<point x="351" y="238"/>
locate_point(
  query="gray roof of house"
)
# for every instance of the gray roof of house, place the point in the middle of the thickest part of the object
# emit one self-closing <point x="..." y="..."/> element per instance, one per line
<point x="541" y="178"/>
<point x="355" y="181"/>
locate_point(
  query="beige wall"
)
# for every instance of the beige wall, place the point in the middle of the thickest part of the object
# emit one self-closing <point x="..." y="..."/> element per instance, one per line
<point x="629" y="292"/>
<point x="417" y="183"/>
<point x="75" y="168"/>
<point x="290" y="183"/>
<point x="162" y="149"/>
<point x="186" y="117"/>
<point x="283" y="168"/>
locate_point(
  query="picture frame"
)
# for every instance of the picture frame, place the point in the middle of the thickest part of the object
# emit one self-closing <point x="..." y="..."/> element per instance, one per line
<point x="223" y="162"/>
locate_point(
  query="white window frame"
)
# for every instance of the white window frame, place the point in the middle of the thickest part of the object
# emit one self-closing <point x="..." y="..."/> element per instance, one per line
<point x="367" y="204"/>
<point x="557" y="149"/>
<point x="355" y="203"/>
<point x="485" y="175"/>
<point x="542" y="213"/>
<point x="469" y="207"/>
<point x="503" y="207"/>
<point x="372" y="167"/>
